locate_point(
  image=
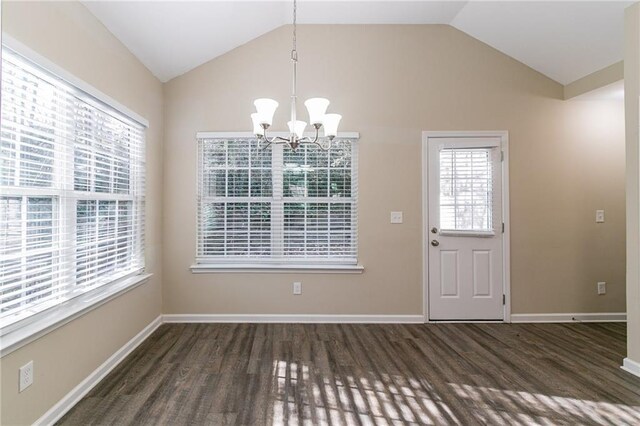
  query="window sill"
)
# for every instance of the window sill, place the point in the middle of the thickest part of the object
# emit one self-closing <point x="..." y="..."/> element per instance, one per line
<point x="51" y="319"/>
<point x="479" y="234"/>
<point x="212" y="268"/>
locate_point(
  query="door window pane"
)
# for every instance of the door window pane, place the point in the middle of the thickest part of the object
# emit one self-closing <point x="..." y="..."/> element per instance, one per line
<point x="466" y="189"/>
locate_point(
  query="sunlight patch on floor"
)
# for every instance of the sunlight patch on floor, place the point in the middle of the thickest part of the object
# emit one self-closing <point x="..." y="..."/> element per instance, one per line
<point x="509" y="402"/>
<point x="399" y="399"/>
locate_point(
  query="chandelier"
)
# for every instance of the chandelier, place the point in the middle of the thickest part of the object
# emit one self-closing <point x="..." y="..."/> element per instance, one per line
<point x="317" y="108"/>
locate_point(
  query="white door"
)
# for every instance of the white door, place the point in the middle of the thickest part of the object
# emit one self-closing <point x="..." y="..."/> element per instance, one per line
<point x="465" y="229"/>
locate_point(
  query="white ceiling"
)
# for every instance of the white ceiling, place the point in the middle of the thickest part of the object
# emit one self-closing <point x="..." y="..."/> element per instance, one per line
<point x="564" y="40"/>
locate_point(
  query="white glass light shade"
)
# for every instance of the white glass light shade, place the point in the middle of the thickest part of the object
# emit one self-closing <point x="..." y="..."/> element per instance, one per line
<point x="317" y="107"/>
<point x="266" y="108"/>
<point x="257" y="128"/>
<point x="330" y="123"/>
<point x="298" y="129"/>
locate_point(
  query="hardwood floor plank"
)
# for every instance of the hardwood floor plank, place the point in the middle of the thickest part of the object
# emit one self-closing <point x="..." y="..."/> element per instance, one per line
<point x="348" y="374"/>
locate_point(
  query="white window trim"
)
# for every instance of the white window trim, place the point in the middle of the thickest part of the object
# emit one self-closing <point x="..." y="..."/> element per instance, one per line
<point x="210" y="268"/>
<point x="22" y="332"/>
<point x="249" y="135"/>
<point x="463" y="233"/>
<point x="297" y="266"/>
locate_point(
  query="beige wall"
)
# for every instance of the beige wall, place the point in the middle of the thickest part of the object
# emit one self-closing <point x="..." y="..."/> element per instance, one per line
<point x="391" y="83"/>
<point x="601" y="78"/>
<point x="632" y="95"/>
<point x="67" y="34"/>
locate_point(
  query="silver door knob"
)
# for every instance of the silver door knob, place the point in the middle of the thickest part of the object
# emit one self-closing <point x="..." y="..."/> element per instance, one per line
<point x="435" y="243"/>
<point x="434" y="230"/>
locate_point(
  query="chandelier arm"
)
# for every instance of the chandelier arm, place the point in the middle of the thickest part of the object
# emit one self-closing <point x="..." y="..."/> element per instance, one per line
<point x="262" y="146"/>
<point x="322" y="145"/>
<point x="307" y="139"/>
<point x="315" y="140"/>
<point x="274" y="139"/>
<point x="270" y="141"/>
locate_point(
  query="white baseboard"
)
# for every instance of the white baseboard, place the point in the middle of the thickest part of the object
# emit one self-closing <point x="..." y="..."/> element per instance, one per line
<point x="594" y="317"/>
<point x="72" y="398"/>
<point x="631" y="366"/>
<point x="261" y="318"/>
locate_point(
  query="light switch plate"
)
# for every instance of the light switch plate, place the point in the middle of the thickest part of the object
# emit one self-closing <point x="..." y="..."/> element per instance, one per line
<point x="396" y="217"/>
<point x="602" y="287"/>
<point x="599" y="216"/>
<point x="297" y="288"/>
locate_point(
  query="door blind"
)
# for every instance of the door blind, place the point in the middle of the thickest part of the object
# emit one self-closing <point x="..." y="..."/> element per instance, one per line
<point x="276" y="205"/>
<point x="466" y="189"/>
<point x="71" y="191"/>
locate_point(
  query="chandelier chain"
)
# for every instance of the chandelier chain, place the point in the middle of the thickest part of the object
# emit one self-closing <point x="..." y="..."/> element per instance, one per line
<point x="294" y="52"/>
<point x="294" y="60"/>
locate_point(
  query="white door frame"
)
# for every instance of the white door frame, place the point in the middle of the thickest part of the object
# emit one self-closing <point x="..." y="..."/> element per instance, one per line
<point x="506" y="239"/>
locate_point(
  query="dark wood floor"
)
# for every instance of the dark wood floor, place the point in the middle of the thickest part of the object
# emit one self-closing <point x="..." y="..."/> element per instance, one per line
<point x="369" y="374"/>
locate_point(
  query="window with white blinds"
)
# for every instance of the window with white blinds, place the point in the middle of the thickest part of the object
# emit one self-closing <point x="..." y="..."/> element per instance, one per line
<point x="466" y="189"/>
<point x="275" y="205"/>
<point x="71" y="191"/>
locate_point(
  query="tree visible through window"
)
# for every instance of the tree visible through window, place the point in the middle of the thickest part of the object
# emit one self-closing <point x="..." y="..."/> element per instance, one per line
<point x="277" y="205"/>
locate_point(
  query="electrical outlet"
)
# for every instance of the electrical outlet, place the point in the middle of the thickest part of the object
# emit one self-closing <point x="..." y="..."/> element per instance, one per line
<point x="602" y="288"/>
<point x="396" y="217"/>
<point x="599" y="216"/>
<point x="26" y="376"/>
<point x="297" y="288"/>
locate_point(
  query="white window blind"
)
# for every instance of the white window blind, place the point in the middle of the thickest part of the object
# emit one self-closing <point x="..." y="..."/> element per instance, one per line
<point x="466" y="189"/>
<point x="71" y="191"/>
<point x="276" y="205"/>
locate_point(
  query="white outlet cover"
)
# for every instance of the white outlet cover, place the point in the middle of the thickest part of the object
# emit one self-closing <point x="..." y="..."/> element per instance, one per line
<point x="396" y="217"/>
<point x="599" y="216"/>
<point x="26" y="376"/>
<point x="297" y="288"/>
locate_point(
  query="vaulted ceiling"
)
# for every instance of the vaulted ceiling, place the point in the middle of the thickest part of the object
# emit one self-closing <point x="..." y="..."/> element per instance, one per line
<point x="564" y="40"/>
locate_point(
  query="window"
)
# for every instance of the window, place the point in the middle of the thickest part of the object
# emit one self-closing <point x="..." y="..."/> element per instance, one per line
<point x="466" y="189"/>
<point x="71" y="192"/>
<point x="277" y="206"/>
